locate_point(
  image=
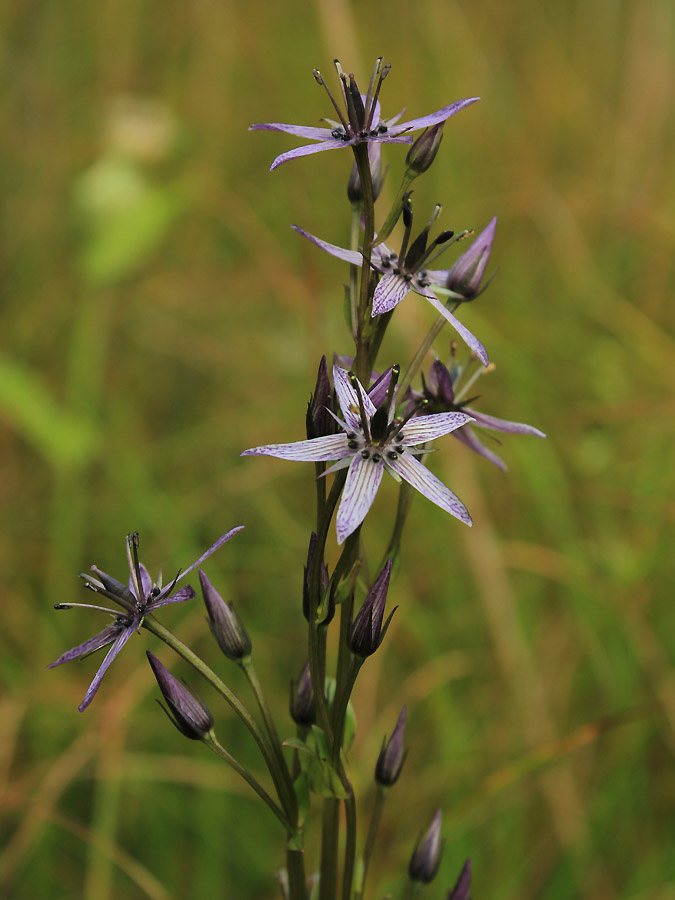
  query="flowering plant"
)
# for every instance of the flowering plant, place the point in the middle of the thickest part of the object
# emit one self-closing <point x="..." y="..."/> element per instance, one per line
<point x="364" y="424"/>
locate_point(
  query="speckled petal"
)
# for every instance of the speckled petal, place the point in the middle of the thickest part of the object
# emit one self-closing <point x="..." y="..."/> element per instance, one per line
<point x="105" y="665"/>
<point x="350" y="256"/>
<point x="389" y="293"/>
<point x="185" y="593"/>
<point x="433" y="118"/>
<point x="109" y="634"/>
<point x="426" y="428"/>
<point x="467" y="437"/>
<point x="470" y="339"/>
<point x="348" y="399"/>
<point x="419" y="477"/>
<point x="363" y="480"/>
<point x="321" y="449"/>
<point x="304" y="131"/>
<point x="307" y="150"/>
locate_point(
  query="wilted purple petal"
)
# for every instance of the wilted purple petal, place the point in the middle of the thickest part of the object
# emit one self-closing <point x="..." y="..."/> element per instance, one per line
<point x="109" y="634"/>
<point x="419" y="477"/>
<point x="471" y="440"/>
<point x="185" y="593"/>
<point x="105" y="665"/>
<point x="350" y="256"/>
<point x="146" y="582"/>
<point x="425" y="428"/>
<point x="439" y="383"/>
<point x="349" y="400"/>
<point x="470" y="339"/>
<point x="505" y="425"/>
<point x="378" y="392"/>
<point x="320" y="449"/>
<point x="363" y="480"/>
<point x="307" y="150"/>
<point x="439" y="116"/>
<point x="389" y="293"/>
<point x="303" y="131"/>
<point x="223" y="539"/>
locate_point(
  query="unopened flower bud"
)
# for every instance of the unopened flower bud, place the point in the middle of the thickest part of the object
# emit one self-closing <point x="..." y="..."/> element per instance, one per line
<point x="423" y="151"/>
<point x="392" y="755"/>
<point x="226" y="626"/>
<point x="462" y="888"/>
<point x="426" y="858"/>
<point x="302" y="699"/>
<point x="319" y="421"/>
<point x="323" y="585"/>
<point x="366" y="633"/>
<point x="465" y="277"/>
<point x="187" y="712"/>
<point x="354" y="191"/>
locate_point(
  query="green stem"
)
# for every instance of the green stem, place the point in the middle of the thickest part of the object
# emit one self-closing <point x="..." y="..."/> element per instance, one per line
<point x="365" y="175"/>
<point x="211" y="742"/>
<point x="404" y="500"/>
<point x="330" y="829"/>
<point x="422" y="351"/>
<point x="354" y="271"/>
<point x="375" y="817"/>
<point x="297" y="880"/>
<point x="343" y="692"/>
<point x="350" y="838"/>
<point x="250" y="672"/>
<point x="156" y="628"/>
<point x="395" y="210"/>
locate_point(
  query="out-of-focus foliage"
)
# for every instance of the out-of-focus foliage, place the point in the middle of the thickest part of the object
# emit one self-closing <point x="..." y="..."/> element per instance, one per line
<point x="159" y="316"/>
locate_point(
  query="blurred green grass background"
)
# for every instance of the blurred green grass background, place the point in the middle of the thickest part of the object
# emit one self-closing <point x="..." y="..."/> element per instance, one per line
<point x="160" y="316"/>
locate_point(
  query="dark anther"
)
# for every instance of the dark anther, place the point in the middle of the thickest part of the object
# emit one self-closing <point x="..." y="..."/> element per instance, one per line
<point x="351" y="435"/>
<point x="376" y="457"/>
<point x="365" y="454"/>
<point x="392" y="455"/>
<point x="155" y="592"/>
<point x="398" y="448"/>
<point x="353" y="445"/>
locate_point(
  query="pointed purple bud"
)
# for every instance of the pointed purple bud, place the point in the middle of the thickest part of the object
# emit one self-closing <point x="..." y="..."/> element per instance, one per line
<point x="440" y="387"/>
<point x="426" y="858"/>
<point x="467" y="273"/>
<point x="423" y="151"/>
<point x="366" y="633"/>
<point x="392" y="756"/>
<point x="226" y="626"/>
<point x="323" y="585"/>
<point x="187" y="712"/>
<point x="319" y="421"/>
<point x="302" y="705"/>
<point x="462" y="888"/>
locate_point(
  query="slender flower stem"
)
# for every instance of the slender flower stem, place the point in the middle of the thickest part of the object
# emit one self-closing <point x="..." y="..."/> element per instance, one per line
<point x="297" y="880"/>
<point x="375" y="817"/>
<point x="413" y="890"/>
<point x="330" y="826"/>
<point x="153" y="626"/>
<point x="422" y="351"/>
<point x="220" y="751"/>
<point x="395" y="210"/>
<point x="365" y="175"/>
<point x="340" y="702"/>
<point x="350" y="840"/>
<point x="354" y="271"/>
<point x="404" y="500"/>
<point x="250" y="672"/>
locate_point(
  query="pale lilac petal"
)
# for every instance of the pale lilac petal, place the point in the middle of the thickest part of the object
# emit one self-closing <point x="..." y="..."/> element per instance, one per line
<point x="419" y="477"/>
<point x="470" y="339"/>
<point x="304" y="131"/>
<point x="348" y="399"/>
<point x="505" y="425"/>
<point x="185" y="593"/>
<point x="363" y="480"/>
<point x="319" y="449"/>
<point x="377" y="253"/>
<point x="350" y="256"/>
<point x="306" y="151"/>
<point x="471" y="440"/>
<point x="340" y="464"/>
<point x="105" y="665"/>
<point x="433" y="118"/>
<point x="389" y="293"/>
<point x="378" y="392"/>
<point x="425" y="428"/>
<point x="389" y="139"/>
<point x="109" y="634"/>
<point x="223" y="539"/>
<point x="146" y="583"/>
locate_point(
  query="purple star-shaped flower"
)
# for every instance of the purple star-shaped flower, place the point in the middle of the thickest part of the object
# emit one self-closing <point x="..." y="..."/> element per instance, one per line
<point x="360" y="122"/>
<point x="137" y="600"/>
<point x="443" y="392"/>
<point x="373" y="441"/>
<point x="404" y="272"/>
